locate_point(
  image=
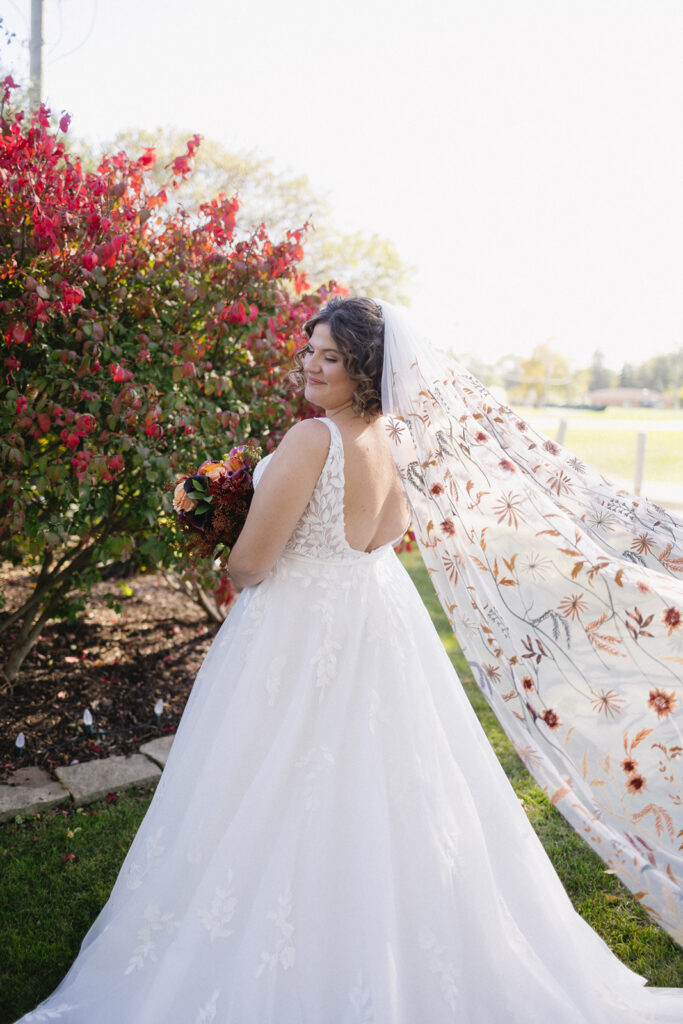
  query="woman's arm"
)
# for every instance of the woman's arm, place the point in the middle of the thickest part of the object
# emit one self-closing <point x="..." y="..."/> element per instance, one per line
<point x="283" y="493"/>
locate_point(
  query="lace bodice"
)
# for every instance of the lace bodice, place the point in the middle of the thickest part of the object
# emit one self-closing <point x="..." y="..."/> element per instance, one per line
<point x="320" y="532"/>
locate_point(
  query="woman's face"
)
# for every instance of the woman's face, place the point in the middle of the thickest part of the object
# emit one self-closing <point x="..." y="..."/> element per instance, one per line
<point x="327" y="383"/>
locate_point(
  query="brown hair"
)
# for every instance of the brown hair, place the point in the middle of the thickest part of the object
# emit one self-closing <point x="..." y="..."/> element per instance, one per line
<point x="357" y="327"/>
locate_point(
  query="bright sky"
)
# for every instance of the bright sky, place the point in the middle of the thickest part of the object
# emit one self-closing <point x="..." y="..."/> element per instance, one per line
<point x="526" y="155"/>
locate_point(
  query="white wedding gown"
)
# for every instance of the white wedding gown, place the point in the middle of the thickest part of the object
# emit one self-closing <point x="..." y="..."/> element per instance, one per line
<point x="333" y="840"/>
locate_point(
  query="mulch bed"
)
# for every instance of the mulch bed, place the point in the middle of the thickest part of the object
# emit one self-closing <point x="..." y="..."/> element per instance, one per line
<point x="117" y="665"/>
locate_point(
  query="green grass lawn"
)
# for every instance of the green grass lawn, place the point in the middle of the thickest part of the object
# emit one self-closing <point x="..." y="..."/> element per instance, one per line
<point x="530" y="412"/>
<point x="593" y="437"/>
<point x="613" y="452"/>
<point x="49" y="899"/>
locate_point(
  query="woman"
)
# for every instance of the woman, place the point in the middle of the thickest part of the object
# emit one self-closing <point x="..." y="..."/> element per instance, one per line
<point x="332" y="839"/>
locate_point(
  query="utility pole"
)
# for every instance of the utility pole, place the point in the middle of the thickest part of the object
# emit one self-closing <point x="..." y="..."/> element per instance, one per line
<point x="36" y="92"/>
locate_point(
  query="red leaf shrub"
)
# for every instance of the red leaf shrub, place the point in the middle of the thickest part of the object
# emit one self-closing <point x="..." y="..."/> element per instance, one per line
<point x="136" y="341"/>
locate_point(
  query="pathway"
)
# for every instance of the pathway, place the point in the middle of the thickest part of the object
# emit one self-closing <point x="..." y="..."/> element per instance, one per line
<point x="32" y="790"/>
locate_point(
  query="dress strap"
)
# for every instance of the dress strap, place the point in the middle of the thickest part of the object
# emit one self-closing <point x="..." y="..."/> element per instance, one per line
<point x="335" y="434"/>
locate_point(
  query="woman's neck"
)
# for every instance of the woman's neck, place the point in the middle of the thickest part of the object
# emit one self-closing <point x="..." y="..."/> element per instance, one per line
<point x="341" y="412"/>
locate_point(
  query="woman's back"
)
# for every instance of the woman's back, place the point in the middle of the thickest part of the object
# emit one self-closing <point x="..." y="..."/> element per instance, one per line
<point x="375" y="510"/>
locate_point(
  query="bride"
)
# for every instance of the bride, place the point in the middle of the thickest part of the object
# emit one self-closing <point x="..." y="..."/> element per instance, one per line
<point x="332" y="840"/>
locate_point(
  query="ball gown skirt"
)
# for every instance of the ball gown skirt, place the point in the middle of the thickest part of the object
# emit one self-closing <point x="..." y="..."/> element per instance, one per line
<point x="333" y="841"/>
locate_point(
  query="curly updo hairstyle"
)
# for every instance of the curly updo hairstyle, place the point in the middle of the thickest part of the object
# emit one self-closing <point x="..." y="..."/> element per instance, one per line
<point x="357" y="327"/>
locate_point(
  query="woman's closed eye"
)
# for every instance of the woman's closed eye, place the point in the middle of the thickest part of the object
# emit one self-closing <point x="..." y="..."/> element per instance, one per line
<point x="308" y="351"/>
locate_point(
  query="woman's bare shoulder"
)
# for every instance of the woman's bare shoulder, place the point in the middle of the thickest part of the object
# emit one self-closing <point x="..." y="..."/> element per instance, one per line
<point x="307" y="436"/>
<point x="304" y="444"/>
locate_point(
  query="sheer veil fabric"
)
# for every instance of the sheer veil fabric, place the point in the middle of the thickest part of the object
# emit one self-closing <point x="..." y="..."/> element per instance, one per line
<point x="566" y="597"/>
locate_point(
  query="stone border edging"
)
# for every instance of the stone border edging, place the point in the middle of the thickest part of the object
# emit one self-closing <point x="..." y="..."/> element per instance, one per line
<point x="35" y="791"/>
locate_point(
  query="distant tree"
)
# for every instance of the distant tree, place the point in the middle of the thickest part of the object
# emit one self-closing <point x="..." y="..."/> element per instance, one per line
<point x="599" y="375"/>
<point x="488" y="373"/>
<point x="628" y="376"/>
<point x="545" y="376"/>
<point x="367" y="264"/>
<point x="509" y="372"/>
<point x="657" y="373"/>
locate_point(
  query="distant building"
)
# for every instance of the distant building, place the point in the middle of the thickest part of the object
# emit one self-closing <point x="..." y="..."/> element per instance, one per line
<point x="629" y="398"/>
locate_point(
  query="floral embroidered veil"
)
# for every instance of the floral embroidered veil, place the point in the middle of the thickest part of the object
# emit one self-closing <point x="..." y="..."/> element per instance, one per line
<point x="566" y="597"/>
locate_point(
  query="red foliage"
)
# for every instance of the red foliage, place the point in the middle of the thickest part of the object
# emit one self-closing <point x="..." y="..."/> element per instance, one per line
<point x="137" y="339"/>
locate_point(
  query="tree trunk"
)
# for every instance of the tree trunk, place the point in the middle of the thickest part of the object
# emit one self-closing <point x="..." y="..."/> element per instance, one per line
<point x="198" y="594"/>
<point x="23" y="643"/>
<point x="35" y="612"/>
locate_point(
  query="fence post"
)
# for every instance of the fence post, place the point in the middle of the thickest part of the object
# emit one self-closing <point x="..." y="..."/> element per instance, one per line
<point x="561" y="431"/>
<point x="640" y="462"/>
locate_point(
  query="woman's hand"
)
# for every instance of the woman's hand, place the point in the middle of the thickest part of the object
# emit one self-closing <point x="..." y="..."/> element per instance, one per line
<point x="279" y="501"/>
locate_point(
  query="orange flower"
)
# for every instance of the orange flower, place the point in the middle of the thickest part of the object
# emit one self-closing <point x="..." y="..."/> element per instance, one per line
<point x="212" y="470"/>
<point x="642" y="544"/>
<point x="629" y="765"/>
<point x="181" y="500"/>
<point x="235" y="460"/>
<point x="661" y="702"/>
<point x="436" y="489"/>
<point x="571" y="607"/>
<point x="528" y="683"/>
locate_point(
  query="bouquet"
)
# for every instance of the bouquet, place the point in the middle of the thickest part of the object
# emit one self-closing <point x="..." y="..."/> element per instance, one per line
<point x="211" y="503"/>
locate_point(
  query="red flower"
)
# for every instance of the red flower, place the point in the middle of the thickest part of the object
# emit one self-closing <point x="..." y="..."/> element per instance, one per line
<point x="448" y="527"/>
<point x="90" y="261"/>
<point x="508" y="466"/>
<point x="528" y="683"/>
<point x="436" y="489"/>
<point x="482" y="436"/>
<point x="550" y="718"/>
<point x="636" y="783"/>
<point x="64" y="123"/>
<point x="629" y="765"/>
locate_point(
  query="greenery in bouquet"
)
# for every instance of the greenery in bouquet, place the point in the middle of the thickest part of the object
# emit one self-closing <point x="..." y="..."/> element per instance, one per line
<point x="211" y="503"/>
